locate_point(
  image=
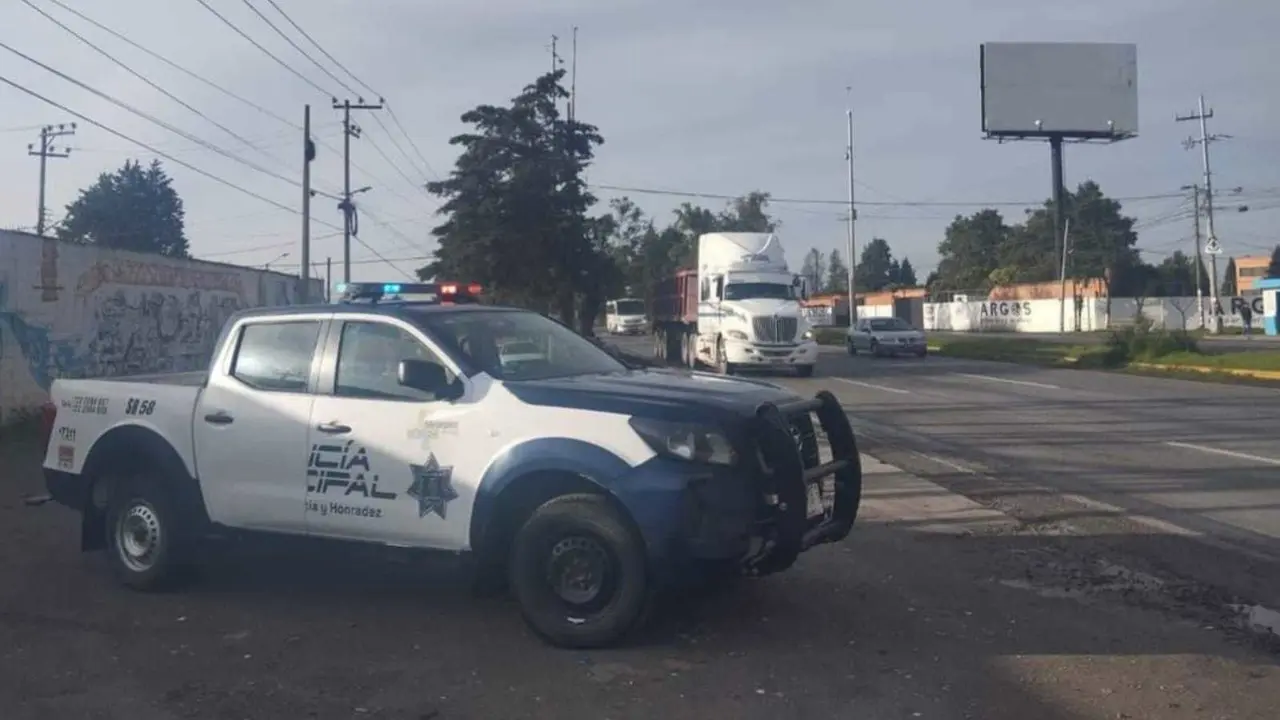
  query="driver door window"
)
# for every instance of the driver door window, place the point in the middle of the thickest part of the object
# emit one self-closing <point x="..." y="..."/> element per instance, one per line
<point x="369" y="356"/>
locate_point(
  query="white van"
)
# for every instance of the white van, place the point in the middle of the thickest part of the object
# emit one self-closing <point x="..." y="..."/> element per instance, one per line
<point x="625" y="316"/>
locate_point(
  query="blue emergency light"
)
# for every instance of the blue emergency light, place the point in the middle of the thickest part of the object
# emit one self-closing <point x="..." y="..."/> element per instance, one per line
<point x="430" y="292"/>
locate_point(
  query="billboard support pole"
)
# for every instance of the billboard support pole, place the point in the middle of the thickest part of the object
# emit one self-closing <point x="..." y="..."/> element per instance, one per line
<point x="1059" y="222"/>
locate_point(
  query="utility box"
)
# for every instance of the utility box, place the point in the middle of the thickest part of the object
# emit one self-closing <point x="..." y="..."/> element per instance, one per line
<point x="1270" y="288"/>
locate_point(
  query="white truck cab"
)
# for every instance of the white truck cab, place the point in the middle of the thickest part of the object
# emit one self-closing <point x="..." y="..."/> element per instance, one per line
<point x="625" y="316"/>
<point x="749" y="312"/>
<point x="446" y="424"/>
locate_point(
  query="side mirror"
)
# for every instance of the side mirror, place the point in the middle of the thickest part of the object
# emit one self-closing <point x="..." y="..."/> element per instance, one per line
<point x="425" y="376"/>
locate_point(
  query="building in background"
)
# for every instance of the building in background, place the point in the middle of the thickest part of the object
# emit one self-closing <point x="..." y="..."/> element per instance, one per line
<point x="1250" y="269"/>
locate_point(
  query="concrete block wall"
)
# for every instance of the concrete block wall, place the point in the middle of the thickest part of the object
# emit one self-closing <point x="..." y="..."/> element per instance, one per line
<point x="1044" y="316"/>
<point x="70" y="310"/>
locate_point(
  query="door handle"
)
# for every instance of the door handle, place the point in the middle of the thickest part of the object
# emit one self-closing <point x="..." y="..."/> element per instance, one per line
<point x="219" y="418"/>
<point x="333" y="428"/>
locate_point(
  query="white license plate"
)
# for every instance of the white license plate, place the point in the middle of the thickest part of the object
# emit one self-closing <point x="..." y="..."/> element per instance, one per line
<point x="815" y="506"/>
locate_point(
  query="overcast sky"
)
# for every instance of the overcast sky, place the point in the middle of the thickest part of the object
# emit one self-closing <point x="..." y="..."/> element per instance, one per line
<point x="710" y="96"/>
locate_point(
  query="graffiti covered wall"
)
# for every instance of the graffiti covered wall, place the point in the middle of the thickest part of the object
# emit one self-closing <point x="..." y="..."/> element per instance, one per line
<point x="78" y="311"/>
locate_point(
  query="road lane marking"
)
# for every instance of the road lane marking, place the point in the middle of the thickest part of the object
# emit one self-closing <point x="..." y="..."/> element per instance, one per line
<point x="944" y="462"/>
<point x="873" y="386"/>
<point x="1228" y="453"/>
<point x="992" y="378"/>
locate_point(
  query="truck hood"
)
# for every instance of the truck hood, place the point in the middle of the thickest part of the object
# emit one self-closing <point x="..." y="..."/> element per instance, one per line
<point x="663" y="394"/>
<point x="760" y="307"/>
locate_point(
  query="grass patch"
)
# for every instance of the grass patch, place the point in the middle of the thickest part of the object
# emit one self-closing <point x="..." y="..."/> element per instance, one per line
<point x="830" y="335"/>
<point x="1139" y="348"/>
<point x="1028" y="351"/>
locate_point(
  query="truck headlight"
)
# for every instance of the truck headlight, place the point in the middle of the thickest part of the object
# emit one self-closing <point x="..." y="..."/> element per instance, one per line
<point x="736" y="335"/>
<point x="695" y="443"/>
<point x="808" y="335"/>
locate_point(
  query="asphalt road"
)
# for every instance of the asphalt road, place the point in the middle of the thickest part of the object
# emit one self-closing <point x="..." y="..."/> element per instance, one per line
<point x="1211" y="344"/>
<point x="1049" y="555"/>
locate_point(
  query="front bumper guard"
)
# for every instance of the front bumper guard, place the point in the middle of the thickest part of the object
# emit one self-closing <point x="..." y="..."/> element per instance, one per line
<point x="789" y="461"/>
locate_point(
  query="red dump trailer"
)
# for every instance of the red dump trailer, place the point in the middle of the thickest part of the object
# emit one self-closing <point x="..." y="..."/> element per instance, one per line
<point x="675" y="318"/>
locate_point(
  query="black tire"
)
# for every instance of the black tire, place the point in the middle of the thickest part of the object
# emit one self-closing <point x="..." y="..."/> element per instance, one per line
<point x="591" y="525"/>
<point x="874" y="349"/>
<point x="848" y="345"/>
<point x="148" y="543"/>
<point x="804" y="370"/>
<point x="923" y="353"/>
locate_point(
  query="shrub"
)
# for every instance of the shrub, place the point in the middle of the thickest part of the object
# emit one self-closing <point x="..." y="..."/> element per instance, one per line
<point x="1142" y="342"/>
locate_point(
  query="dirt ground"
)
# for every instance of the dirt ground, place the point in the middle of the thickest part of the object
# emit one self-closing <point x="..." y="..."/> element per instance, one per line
<point x="934" y="608"/>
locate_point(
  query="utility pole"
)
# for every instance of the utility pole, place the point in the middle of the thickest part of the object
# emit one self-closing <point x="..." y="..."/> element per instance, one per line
<point x="1211" y="247"/>
<point x="328" y="279"/>
<point x="46" y="151"/>
<point x="853" y="217"/>
<point x="573" y="77"/>
<point x="349" y="130"/>
<point x="1199" y="267"/>
<point x="308" y="154"/>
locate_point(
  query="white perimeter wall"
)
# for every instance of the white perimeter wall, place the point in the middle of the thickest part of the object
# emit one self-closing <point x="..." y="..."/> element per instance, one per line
<point x="78" y="311"/>
<point x="1044" y="315"/>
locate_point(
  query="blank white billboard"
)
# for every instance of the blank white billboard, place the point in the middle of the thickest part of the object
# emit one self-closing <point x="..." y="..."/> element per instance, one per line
<point x="1077" y="90"/>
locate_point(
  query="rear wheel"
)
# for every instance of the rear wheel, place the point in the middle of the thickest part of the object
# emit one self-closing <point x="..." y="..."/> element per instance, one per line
<point x="578" y="571"/>
<point x="147" y="539"/>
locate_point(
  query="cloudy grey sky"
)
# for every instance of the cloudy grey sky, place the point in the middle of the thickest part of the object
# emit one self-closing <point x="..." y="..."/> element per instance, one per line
<point x="710" y="96"/>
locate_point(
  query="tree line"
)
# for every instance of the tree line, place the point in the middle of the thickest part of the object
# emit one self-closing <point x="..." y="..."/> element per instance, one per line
<point x="984" y="250"/>
<point x="518" y="216"/>
<point x="877" y="270"/>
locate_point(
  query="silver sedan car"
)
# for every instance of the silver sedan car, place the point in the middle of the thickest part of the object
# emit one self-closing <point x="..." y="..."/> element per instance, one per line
<point x="886" y="336"/>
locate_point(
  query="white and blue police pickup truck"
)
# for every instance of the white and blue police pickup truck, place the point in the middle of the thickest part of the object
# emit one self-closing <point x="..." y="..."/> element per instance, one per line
<point x="582" y="483"/>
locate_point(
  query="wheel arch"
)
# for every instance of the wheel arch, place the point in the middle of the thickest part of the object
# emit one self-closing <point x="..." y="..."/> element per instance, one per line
<point x="134" y="447"/>
<point x="530" y="473"/>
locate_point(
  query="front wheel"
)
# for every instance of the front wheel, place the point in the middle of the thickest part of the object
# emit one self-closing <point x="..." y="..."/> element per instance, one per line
<point x="578" y="571"/>
<point x="848" y="345"/>
<point x="146" y="539"/>
<point x="804" y="371"/>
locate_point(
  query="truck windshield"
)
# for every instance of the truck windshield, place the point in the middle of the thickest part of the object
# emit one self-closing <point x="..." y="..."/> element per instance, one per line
<point x="517" y="345"/>
<point x="630" y="307"/>
<point x="757" y="290"/>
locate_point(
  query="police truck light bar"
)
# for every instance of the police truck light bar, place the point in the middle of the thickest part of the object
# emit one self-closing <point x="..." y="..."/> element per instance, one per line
<point x="438" y="292"/>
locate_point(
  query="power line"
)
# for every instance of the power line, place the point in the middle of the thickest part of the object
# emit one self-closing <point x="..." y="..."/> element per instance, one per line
<point x="845" y="203"/>
<point x="145" y="79"/>
<point x="205" y="173"/>
<point x="176" y="66"/>
<point x="265" y="51"/>
<point x="197" y="76"/>
<point x="365" y="85"/>
<point x="294" y="45"/>
<point x="151" y="118"/>
<point x="319" y="47"/>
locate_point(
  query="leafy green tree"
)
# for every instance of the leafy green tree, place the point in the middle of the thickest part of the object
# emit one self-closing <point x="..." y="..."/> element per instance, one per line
<point x="1273" y="269"/>
<point x="970" y="251"/>
<point x="749" y="213"/>
<point x="837" y="273"/>
<point x="1228" y="288"/>
<point x="875" y="266"/>
<point x="516" y="200"/>
<point x="813" y="269"/>
<point x="134" y="208"/>
<point x="1176" y="277"/>
<point x="1101" y="240"/>
<point x="906" y="276"/>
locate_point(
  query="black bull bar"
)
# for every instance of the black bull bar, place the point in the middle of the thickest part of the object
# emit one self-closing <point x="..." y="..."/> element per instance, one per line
<point x="789" y="461"/>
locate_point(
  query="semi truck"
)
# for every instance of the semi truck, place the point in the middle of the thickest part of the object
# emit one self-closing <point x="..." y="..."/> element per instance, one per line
<point x="739" y="308"/>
